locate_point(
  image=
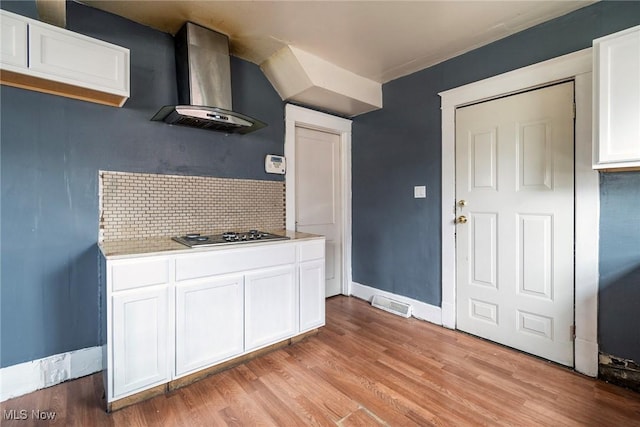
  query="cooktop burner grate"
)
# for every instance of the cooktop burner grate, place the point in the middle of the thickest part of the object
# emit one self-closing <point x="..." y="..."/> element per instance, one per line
<point x="229" y="237"/>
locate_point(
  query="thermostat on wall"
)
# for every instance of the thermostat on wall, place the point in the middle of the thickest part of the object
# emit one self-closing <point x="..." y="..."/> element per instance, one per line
<point x="274" y="164"/>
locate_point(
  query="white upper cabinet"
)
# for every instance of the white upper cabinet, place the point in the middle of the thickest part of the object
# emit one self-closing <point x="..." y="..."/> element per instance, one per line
<point x="617" y="100"/>
<point x="46" y="58"/>
<point x="13" y="41"/>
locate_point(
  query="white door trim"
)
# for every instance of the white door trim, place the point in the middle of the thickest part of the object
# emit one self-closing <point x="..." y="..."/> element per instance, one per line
<point x="299" y="116"/>
<point x="576" y="66"/>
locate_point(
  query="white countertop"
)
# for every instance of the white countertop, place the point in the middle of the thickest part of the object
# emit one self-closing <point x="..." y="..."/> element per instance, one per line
<point x="119" y="249"/>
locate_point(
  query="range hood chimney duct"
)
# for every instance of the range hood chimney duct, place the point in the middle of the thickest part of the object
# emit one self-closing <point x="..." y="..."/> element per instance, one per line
<point x="203" y="71"/>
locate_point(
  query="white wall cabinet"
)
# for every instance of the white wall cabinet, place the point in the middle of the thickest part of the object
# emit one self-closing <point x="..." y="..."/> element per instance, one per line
<point x="169" y="316"/>
<point x="45" y="58"/>
<point x="13" y="41"/>
<point x="209" y="322"/>
<point x="617" y="100"/>
<point x="140" y="353"/>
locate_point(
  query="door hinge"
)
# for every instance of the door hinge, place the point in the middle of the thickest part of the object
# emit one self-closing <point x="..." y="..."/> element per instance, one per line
<point x="574" y="110"/>
<point x="572" y="332"/>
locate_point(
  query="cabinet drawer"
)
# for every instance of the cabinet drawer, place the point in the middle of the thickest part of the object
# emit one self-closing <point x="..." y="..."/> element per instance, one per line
<point x="311" y="250"/>
<point x="222" y="262"/>
<point x="139" y="273"/>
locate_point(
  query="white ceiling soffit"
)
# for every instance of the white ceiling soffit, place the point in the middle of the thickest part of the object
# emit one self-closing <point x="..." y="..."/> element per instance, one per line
<point x="305" y="78"/>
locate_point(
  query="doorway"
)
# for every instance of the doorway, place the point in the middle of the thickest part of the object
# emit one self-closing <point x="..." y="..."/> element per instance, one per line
<point x="318" y="187"/>
<point x="576" y="66"/>
<point x="515" y="224"/>
<point x="318" y="201"/>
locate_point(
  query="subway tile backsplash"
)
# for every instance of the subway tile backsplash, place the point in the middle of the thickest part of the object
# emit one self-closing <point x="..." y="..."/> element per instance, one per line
<point x="136" y="205"/>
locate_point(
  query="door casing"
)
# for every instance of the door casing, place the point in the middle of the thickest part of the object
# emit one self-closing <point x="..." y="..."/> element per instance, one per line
<point x="304" y="117"/>
<point x="578" y="67"/>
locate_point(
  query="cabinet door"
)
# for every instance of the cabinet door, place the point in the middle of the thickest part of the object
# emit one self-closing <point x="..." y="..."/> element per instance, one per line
<point x="270" y="306"/>
<point x="617" y="92"/>
<point x="76" y="59"/>
<point x="209" y="322"/>
<point x="312" y="295"/>
<point x="13" y="41"/>
<point x="140" y="333"/>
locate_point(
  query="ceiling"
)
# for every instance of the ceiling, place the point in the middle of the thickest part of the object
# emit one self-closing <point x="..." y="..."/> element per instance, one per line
<point x="378" y="40"/>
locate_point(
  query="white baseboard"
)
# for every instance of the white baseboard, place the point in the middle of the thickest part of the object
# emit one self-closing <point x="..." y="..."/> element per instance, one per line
<point x="420" y="310"/>
<point x="586" y="357"/>
<point x="30" y="376"/>
<point x="448" y="315"/>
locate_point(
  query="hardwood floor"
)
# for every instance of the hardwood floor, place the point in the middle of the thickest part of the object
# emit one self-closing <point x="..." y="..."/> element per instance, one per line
<point x="365" y="368"/>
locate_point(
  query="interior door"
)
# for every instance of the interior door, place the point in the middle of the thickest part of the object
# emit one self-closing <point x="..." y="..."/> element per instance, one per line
<point x="318" y="199"/>
<point x="515" y="221"/>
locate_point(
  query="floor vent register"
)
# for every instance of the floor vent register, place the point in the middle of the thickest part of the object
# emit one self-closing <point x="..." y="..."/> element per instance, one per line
<point x="392" y="306"/>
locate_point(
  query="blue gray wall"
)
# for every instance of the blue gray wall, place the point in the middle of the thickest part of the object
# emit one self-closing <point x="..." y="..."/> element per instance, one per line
<point x="619" y="298"/>
<point x="396" y="238"/>
<point x="51" y="150"/>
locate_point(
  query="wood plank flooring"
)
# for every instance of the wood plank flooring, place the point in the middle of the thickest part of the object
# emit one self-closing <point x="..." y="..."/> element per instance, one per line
<point x="365" y="368"/>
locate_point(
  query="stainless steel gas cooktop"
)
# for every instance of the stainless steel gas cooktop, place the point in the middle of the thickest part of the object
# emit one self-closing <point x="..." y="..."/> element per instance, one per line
<point x="227" y="238"/>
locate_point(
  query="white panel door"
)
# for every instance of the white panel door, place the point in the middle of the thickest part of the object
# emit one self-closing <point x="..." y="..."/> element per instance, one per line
<point x="514" y="254"/>
<point x="318" y="206"/>
<point x="270" y="311"/>
<point x="209" y="321"/>
<point x="140" y="333"/>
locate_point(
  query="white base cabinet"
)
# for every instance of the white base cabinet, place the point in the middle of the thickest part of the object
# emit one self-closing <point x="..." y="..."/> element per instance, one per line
<point x="171" y="316"/>
<point x="312" y="294"/>
<point x="270" y="306"/>
<point x="616" y="119"/>
<point x="140" y="353"/>
<point x="209" y="322"/>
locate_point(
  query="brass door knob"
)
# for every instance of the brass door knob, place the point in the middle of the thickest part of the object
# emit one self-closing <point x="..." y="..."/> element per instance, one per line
<point x="461" y="219"/>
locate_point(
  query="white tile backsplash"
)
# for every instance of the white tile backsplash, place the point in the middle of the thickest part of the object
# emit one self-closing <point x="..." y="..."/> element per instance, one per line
<point x="152" y="205"/>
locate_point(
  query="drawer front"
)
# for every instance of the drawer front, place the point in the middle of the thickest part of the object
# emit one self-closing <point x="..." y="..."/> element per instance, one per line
<point x="76" y="59"/>
<point x="222" y="262"/>
<point x="311" y="250"/>
<point x="138" y="273"/>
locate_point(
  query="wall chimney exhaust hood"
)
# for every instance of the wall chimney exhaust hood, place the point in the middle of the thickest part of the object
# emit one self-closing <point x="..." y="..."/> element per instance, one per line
<point x="204" y="84"/>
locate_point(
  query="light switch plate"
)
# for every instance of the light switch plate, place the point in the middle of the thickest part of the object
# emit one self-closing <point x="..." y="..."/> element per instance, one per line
<point x="420" y="192"/>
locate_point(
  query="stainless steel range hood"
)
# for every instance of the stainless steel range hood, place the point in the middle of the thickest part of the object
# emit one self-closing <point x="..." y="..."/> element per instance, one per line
<point x="204" y="84"/>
